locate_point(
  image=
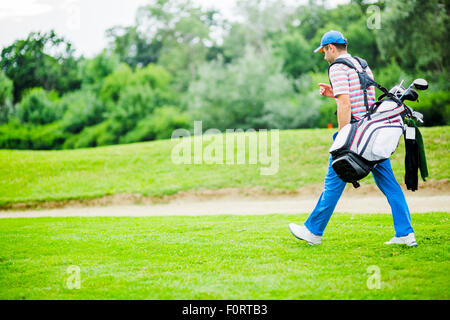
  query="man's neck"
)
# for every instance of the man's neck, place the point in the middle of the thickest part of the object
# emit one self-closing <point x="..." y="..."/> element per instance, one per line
<point x="344" y="54"/>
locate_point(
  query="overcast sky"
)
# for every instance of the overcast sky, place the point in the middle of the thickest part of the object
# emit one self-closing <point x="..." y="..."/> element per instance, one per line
<point x="82" y="22"/>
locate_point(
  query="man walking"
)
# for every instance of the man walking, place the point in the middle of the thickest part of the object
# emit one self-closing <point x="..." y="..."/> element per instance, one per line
<point x="347" y="91"/>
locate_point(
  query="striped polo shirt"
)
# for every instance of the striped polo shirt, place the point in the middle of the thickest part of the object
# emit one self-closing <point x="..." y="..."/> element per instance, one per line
<point x="344" y="80"/>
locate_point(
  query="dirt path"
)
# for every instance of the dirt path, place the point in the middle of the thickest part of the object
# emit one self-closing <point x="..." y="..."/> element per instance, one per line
<point x="367" y="199"/>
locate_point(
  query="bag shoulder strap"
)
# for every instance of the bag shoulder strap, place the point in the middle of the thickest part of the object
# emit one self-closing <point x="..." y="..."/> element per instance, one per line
<point x="343" y="61"/>
<point x="362" y="63"/>
<point x="364" y="79"/>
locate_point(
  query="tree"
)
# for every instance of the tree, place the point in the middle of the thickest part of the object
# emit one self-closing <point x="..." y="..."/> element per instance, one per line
<point x="362" y="42"/>
<point x="82" y="108"/>
<point x="184" y="32"/>
<point x="262" y="22"/>
<point x="130" y="96"/>
<point x="41" y="60"/>
<point x="251" y="92"/>
<point x="296" y="54"/>
<point x="158" y="125"/>
<point x="94" y="70"/>
<point x="416" y="34"/>
<point x="38" y="107"/>
<point x="132" y="47"/>
<point x="6" y="95"/>
<point x="114" y="84"/>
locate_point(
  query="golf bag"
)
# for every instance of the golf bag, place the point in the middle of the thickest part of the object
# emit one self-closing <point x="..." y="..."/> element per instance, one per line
<point x="360" y="145"/>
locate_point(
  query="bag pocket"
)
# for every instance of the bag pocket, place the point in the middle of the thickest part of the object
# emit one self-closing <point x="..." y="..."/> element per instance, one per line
<point x="350" y="167"/>
<point x="382" y="143"/>
<point x="341" y="138"/>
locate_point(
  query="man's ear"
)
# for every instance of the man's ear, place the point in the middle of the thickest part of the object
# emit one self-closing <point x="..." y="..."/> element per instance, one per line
<point x="332" y="47"/>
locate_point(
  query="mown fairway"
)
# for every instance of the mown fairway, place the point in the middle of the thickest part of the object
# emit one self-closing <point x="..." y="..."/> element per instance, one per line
<point x="221" y="257"/>
<point x="147" y="168"/>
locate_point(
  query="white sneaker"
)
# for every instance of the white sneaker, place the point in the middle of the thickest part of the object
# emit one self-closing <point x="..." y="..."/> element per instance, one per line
<point x="302" y="233"/>
<point x="409" y="240"/>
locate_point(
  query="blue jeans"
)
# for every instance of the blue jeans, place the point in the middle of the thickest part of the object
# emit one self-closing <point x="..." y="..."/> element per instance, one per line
<point x="334" y="186"/>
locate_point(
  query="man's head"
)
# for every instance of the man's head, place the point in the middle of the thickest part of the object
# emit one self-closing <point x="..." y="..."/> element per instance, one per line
<point x="333" y="44"/>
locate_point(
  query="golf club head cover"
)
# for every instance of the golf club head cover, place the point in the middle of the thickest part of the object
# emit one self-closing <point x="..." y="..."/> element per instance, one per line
<point x="411" y="164"/>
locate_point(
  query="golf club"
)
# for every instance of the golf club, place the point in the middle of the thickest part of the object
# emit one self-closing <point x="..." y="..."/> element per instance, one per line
<point x="419" y="84"/>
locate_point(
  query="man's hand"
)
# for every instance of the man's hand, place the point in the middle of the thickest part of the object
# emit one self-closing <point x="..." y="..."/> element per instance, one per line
<point x="326" y="90"/>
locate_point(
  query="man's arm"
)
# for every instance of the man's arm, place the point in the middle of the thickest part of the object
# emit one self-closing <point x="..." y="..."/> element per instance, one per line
<point x="339" y="78"/>
<point x="343" y="110"/>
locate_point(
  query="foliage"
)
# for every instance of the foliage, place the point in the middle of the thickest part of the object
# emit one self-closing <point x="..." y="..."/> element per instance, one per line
<point x="295" y="51"/>
<point x="18" y="136"/>
<point x="46" y="137"/>
<point x="93" y="71"/>
<point x="114" y="83"/>
<point x="39" y="107"/>
<point x="154" y="77"/>
<point x="6" y="95"/>
<point x="255" y="71"/>
<point x="362" y="42"/>
<point x="251" y="93"/>
<point x="159" y="125"/>
<point x="14" y="136"/>
<point x="261" y="24"/>
<point x="435" y="107"/>
<point x="132" y="47"/>
<point x="29" y="64"/>
<point x="83" y="108"/>
<point x="130" y="97"/>
<point x="391" y="74"/>
<point x="134" y="103"/>
<point x="182" y="30"/>
<point x="416" y="34"/>
<point x="101" y="134"/>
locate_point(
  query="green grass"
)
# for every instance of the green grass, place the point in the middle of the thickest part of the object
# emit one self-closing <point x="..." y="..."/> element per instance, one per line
<point x="146" y="168"/>
<point x="221" y="257"/>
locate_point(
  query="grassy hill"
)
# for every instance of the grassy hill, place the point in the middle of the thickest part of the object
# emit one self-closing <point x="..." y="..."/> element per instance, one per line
<point x="147" y="168"/>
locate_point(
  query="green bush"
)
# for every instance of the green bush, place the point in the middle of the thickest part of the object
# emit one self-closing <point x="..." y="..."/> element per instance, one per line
<point x="435" y="107"/>
<point x="93" y="71"/>
<point x="115" y="83"/>
<point x="158" y="125"/>
<point x="391" y="75"/>
<point x="39" y="107"/>
<point x="295" y="52"/>
<point x="14" y="136"/>
<point x="135" y="103"/>
<point x="250" y="93"/>
<point x="84" y="109"/>
<point x="104" y="133"/>
<point x="327" y="115"/>
<point x="19" y="136"/>
<point x="47" y="137"/>
<point x="6" y="97"/>
<point x="153" y="75"/>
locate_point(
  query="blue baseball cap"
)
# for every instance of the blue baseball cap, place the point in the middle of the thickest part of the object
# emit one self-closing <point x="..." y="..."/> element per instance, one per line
<point x="331" y="36"/>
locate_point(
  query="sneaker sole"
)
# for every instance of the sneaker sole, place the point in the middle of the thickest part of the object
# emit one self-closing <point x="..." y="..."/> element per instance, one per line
<point x="311" y="244"/>
<point x="401" y="244"/>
